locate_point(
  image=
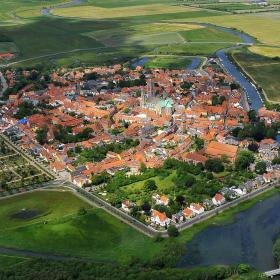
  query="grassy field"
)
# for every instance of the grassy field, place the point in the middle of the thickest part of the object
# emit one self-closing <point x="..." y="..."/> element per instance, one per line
<point x="266" y="51"/>
<point x="8" y="261"/>
<point x="266" y="31"/>
<point x="175" y="62"/>
<point x="94" y="12"/>
<point x="10" y="8"/>
<point x="95" y="235"/>
<point x="195" y="48"/>
<point x="8" y="47"/>
<point x="264" y="70"/>
<point x="48" y="205"/>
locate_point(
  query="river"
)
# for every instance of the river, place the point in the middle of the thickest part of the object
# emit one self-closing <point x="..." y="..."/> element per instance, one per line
<point x="249" y="239"/>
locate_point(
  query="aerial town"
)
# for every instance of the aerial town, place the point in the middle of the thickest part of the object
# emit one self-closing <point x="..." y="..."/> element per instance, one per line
<point x="177" y="132"/>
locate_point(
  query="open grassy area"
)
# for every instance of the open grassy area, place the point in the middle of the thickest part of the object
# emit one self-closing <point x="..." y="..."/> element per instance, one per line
<point x="264" y="29"/>
<point x="175" y="62"/>
<point x="96" y="234"/>
<point x="8" y="261"/>
<point x="10" y="8"/>
<point x="46" y="205"/>
<point x="94" y="12"/>
<point x="7" y="47"/>
<point x="264" y="70"/>
<point x="266" y="51"/>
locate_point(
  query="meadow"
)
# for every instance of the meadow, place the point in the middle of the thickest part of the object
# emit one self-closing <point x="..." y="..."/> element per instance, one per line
<point x="264" y="70"/>
<point x="171" y="62"/>
<point x="264" y="29"/>
<point x="60" y="229"/>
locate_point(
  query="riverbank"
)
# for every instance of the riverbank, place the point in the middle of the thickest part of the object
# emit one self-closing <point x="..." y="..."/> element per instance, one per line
<point x="226" y="217"/>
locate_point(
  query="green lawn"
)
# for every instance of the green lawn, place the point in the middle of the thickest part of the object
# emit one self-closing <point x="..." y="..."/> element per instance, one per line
<point x="49" y="205"/>
<point x="209" y="35"/>
<point x="191" y="49"/>
<point x="95" y="235"/>
<point x="8" y="261"/>
<point x="175" y="62"/>
<point x="264" y="70"/>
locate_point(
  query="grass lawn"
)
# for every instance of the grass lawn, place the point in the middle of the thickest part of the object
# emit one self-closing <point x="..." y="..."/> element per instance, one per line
<point x="195" y="48"/>
<point x="264" y="70"/>
<point x="175" y="62"/>
<point x="209" y="35"/>
<point x="48" y="205"/>
<point x="8" y="261"/>
<point x="96" y="235"/>
<point x="94" y="12"/>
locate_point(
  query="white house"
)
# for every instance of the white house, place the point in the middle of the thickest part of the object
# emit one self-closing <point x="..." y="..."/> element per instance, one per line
<point x="161" y="199"/>
<point x="159" y="218"/>
<point x="218" y="199"/>
<point x="127" y="205"/>
<point x="197" y="208"/>
<point x="239" y="192"/>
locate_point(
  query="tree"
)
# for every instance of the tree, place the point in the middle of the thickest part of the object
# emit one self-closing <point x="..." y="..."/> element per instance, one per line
<point x="146" y="207"/>
<point x="199" y="143"/>
<point x="150" y="185"/>
<point x="42" y="135"/>
<point x="214" y="165"/>
<point x="180" y="200"/>
<point x="172" y="231"/>
<point x="252" y="114"/>
<point x="244" y="159"/>
<point x="253" y="147"/>
<point x="260" y="167"/>
<point x="184" y="180"/>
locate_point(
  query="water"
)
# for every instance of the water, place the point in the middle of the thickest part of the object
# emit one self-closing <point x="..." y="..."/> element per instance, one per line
<point x="47" y="11"/>
<point x="25" y="214"/>
<point x="249" y="239"/>
<point x="140" y="62"/>
<point x="194" y="64"/>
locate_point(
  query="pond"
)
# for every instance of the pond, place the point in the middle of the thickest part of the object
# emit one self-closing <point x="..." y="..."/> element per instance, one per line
<point x="25" y="214"/>
<point x="249" y="239"/>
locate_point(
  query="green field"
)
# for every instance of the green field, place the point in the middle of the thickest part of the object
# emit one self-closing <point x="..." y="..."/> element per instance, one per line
<point x="8" y="261"/>
<point x="49" y="205"/>
<point x="96" y="234"/>
<point x="264" y="70"/>
<point x="174" y="62"/>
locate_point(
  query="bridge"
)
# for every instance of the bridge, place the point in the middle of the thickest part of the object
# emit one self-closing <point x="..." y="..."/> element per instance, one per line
<point x="272" y="273"/>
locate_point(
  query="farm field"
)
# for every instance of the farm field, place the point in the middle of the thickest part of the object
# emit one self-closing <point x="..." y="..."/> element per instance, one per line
<point x="10" y="8"/>
<point x="95" y="234"/>
<point x="266" y="51"/>
<point x="267" y="31"/>
<point x="94" y="12"/>
<point x="264" y="70"/>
